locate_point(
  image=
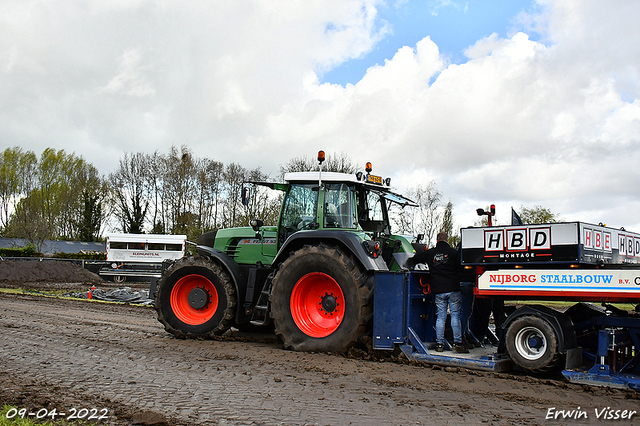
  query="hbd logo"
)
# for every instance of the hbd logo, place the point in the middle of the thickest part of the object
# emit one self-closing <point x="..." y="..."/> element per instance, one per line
<point x="517" y="239"/>
<point x="628" y="245"/>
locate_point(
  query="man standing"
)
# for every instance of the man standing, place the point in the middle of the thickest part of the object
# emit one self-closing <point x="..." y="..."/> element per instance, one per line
<point x="444" y="265"/>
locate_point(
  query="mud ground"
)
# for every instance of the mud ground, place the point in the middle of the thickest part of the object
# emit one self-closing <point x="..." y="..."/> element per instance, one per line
<point x="70" y="354"/>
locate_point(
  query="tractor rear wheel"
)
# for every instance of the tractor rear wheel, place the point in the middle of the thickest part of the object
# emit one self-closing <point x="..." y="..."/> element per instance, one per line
<point x="195" y="298"/>
<point x="321" y="300"/>
<point x="532" y="344"/>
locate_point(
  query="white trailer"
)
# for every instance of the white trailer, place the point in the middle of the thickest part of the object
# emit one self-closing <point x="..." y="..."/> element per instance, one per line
<point x="140" y="255"/>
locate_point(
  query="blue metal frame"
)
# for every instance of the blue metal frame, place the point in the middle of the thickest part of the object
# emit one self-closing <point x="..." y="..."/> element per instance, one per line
<point x="614" y="332"/>
<point x="405" y="316"/>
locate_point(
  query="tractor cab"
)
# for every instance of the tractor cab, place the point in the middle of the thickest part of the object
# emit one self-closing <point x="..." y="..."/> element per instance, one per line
<point x="337" y="201"/>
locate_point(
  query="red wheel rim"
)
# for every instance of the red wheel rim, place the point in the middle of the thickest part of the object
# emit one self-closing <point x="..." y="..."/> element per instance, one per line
<point x="317" y="304"/>
<point x="180" y="299"/>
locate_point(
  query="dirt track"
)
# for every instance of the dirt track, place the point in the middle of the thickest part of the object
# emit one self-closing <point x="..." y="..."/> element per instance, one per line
<point x="72" y="354"/>
<point x="67" y="354"/>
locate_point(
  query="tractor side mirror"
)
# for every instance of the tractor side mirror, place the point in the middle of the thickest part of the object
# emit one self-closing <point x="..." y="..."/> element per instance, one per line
<point x="246" y="192"/>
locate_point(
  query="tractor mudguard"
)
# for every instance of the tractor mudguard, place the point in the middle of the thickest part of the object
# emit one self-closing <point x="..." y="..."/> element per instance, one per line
<point x="561" y="323"/>
<point x="350" y="241"/>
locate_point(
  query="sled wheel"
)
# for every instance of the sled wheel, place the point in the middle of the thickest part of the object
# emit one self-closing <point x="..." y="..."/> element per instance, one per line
<point x="119" y="279"/>
<point x="195" y="298"/>
<point x="321" y="300"/>
<point x="532" y="344"/>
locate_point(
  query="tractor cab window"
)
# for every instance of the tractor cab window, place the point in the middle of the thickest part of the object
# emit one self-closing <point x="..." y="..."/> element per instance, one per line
<point x="299" y="211"/>
<point x="374" y="207"/>
<point x="339" y="206"/>
<point x="371" y="211"/>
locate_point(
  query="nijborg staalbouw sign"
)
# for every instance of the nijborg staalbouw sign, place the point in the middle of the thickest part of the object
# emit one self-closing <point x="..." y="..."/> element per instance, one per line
<point x="592" y="280"/>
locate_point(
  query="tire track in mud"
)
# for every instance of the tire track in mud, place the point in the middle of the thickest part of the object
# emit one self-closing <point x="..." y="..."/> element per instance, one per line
<point x="122" y="354"/>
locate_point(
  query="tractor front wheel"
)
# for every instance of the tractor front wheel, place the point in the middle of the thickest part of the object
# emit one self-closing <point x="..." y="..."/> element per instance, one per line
<point x="321" y="300"/>
<point x="195" y="298"/>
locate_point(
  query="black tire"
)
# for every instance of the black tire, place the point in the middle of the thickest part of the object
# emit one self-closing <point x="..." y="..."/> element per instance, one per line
<point x="532" y="344"/>
<point x="355" y="289"/>
<point x="189" y="279"/>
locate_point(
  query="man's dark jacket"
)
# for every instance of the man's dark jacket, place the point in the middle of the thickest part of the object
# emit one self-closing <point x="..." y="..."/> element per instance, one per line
<point x="444" y="264"/>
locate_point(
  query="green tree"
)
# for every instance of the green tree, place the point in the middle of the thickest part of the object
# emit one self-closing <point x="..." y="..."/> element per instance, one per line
<point x="92" y="215"/>
<point x="447" y="225"/>
<point x="93" y="206"/>
<point x="447" y="219"/>
<point x="16" y="171"/>
<point x="51" y="203"/>
<point x="538" y="214"/>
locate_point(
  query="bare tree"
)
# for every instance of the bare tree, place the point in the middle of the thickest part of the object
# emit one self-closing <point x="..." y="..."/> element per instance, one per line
<point x="131" y="192"/>
<point x="425" y="218"/>
<point x="180" y="182"/>
<point x="208" y="185"/>
<point x="155" y="183"/>
<point x="264" y="203"/>
<point x="334" y="163"/>
<point x="234" y="176"/>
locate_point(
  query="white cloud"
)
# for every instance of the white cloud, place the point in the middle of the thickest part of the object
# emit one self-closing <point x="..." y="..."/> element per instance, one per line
<point x="553" y="122"/>
<point x="130" y="79"/>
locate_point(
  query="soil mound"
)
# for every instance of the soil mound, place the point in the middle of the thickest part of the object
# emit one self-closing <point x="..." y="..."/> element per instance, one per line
<point x="45" y="274"/>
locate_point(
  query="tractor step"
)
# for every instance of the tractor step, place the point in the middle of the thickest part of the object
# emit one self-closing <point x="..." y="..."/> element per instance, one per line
<point x="260" y="314"/>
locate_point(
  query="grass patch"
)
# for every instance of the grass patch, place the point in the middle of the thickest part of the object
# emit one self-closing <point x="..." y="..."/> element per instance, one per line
<point x="45" y="293"/>
<point x="561" y="304"/>
<point x="58" y="294"/>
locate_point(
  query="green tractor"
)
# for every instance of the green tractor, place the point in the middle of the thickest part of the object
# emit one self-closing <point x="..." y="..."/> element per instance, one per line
<point x="311" y="276"/>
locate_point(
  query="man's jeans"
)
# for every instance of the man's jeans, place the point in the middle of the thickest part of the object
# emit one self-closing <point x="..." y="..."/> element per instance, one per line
<point x="453" y="300"/>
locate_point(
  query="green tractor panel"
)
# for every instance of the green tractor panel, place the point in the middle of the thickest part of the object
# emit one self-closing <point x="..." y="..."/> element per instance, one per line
<point x="311" y="276"/>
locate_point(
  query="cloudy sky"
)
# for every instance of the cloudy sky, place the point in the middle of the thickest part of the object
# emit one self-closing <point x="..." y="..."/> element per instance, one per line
<point x="506" y="102"/>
